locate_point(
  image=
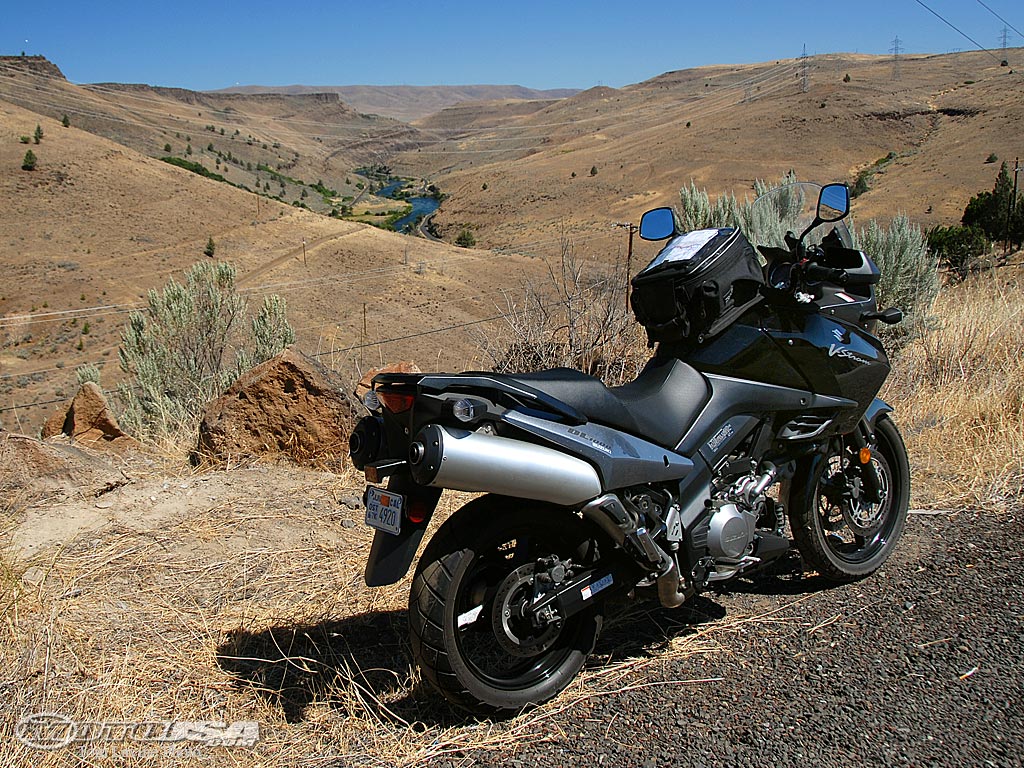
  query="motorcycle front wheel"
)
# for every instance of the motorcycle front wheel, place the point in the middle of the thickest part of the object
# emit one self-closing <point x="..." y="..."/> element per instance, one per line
<point x="838" y="531"/>
<point x="468" y="637"/>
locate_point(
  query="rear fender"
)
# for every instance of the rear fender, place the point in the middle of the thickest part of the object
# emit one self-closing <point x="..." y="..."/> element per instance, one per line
<point x="390" y="556"/>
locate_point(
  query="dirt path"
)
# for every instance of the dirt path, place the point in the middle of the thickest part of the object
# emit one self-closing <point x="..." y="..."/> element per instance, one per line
<point x="293" y="253"/>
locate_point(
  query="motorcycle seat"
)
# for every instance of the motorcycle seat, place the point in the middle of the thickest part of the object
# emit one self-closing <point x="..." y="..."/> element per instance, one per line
<point x="660" y="405"/>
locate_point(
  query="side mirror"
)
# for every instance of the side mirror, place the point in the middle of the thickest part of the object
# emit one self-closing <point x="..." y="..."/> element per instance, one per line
<point x="658" y="224"/>
<point x="833" y="202"/>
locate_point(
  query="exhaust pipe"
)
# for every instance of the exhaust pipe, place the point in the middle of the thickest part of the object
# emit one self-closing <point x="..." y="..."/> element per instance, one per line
<point x="469" y="461"/>
<point x="609" y="514"/>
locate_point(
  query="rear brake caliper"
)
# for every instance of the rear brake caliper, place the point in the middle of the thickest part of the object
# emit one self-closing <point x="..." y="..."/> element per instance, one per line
<point x="520" y="628"/>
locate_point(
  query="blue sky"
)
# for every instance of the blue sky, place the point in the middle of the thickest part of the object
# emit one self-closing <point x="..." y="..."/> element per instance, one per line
<point x="550" y="44"/>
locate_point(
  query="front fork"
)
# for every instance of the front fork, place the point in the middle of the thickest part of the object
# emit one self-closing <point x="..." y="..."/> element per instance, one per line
<point x="863" y="443"/>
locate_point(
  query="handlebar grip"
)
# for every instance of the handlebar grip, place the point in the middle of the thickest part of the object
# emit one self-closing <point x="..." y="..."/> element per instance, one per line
<point x="816" y="272"/>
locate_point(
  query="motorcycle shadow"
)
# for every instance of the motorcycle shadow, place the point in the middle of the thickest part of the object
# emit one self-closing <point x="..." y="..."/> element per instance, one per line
<point x="364" y="661"/>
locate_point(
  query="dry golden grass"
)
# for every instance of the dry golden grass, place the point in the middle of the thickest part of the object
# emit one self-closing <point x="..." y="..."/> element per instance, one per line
<point x="255" y="610"/>
<point x="959" y="395"/>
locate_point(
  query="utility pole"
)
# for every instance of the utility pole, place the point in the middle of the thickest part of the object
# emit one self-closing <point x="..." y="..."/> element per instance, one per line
<point x="805" y="68"/>
<point x="303" y="252"/>
<point x="629" y="253"/>
<point x="1010" y="205"/>
<point x="896" y="50"/>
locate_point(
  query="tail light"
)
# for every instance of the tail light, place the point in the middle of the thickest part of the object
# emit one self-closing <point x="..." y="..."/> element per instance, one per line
<point x="396" y="402"/>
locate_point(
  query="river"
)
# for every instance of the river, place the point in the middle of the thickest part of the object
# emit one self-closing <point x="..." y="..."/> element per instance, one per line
<point x="421" y="206"/>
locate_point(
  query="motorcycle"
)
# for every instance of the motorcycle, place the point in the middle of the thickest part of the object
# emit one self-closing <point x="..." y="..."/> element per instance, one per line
<point x="758" y="408"/>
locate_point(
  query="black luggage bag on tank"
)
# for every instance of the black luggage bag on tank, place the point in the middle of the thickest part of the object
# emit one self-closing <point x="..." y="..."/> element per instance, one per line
<point x="697" y="285"/>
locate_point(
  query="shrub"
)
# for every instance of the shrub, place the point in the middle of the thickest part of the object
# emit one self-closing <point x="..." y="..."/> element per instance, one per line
<point x="65" y="121"/>
<point x="593" y="170"/>
<point x="87" y="373"/>
<point x="28" y="163"/>
<point x="910" y="278"/>
<point x="167" y="147"/>
<point x="959" y="249"/>
<point x="211" y="247"/>
<point x="992" y="158"/>
<point x="38" y="135"/>
<point x="846" y="77"/>
<point x="577" y="319"/>
<point x="466" y="239"/>
<point x="910" y="274"/>
<point x="192" y="341"/>
<point x="25" y="139"/>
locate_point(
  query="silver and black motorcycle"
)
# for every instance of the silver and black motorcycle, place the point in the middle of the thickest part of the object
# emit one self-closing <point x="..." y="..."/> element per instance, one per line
<point x="757" y="409"/>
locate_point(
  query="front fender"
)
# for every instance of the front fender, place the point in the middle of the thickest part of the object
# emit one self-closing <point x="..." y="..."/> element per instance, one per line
<point x="875" y="411"/>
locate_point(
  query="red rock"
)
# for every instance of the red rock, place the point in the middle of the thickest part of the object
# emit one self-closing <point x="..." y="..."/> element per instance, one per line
<point x="290" y="406"/>
<point x="87" y="419"/>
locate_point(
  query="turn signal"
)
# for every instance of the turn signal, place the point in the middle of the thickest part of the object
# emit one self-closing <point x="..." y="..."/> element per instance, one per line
<point x="396" y="402"/>
<point x="864" y="455"/>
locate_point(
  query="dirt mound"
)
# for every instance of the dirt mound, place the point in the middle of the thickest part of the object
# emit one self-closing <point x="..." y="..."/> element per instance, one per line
<point x="32" y="471"/>
<point x="87" y="419"/>
<point x="289" y="406"/>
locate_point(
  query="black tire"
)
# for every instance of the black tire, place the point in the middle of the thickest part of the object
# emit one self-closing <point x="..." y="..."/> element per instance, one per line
<point x="456" y="582"/>
<point x="843" y="539"/>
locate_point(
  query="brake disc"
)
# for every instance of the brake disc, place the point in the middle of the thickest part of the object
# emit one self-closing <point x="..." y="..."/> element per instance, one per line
<point x="512" y="621"/>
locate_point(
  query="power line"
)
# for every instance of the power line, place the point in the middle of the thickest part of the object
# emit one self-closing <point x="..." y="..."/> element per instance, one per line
<point x="957" y="29"/>
<point x="1008" y="24"/>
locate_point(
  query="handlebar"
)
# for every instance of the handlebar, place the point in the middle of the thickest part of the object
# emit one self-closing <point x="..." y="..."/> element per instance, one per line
<point x="816" y="272"/>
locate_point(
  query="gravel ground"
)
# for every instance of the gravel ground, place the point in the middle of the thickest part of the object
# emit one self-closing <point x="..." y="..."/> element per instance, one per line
<point x="920" y="665"/>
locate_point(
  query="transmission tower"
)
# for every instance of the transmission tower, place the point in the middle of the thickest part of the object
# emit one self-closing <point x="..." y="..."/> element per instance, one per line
<point x="896" y="50"/>
<point x="1004" y="37"/>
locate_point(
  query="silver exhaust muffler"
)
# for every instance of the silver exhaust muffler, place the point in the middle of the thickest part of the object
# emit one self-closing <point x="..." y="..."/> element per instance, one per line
<point x="444" y="457"/>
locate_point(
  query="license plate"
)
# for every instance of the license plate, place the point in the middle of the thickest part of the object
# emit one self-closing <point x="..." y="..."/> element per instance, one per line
<point x="384" y="510"/>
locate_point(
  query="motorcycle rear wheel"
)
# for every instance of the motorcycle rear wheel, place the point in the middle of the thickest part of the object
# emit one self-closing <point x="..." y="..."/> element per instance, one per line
<point x="467" y="570"/>
<point x="839" y="533"/>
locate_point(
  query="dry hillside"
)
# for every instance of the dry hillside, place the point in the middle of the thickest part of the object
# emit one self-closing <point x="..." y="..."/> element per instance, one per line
<point x="410" y="102"/>
<point x="96" y="224"/>
<point x="101" y="220"/>
<point x="518" y="174"/>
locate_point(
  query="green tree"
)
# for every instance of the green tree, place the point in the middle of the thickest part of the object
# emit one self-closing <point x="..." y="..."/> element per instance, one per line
<point x="167" y="147"/>
<point x="958" y="248"/>
<point x="593" y="170"/>
<point x="211" y="247"/>
<point x="988" y="211"/>
<point x="65" y="121"/>
<point x="29" y="161"/>
<point x="466" y="239"/>
<point x="38" y="135"/>
<point x="189" y="344"/>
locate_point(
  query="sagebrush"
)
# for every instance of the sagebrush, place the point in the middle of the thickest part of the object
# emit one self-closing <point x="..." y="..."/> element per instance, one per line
<point x="191" y="342"/>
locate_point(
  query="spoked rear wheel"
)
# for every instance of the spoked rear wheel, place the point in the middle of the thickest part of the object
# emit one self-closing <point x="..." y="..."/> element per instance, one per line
<point x="470" y="634"/>
<point x="838" y="530"/>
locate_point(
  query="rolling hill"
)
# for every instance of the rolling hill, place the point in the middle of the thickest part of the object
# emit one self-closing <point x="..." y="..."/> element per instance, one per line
<point x="411" y="102"/>
<point x="519" y="174"/>
<point x="102" y="220"/>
